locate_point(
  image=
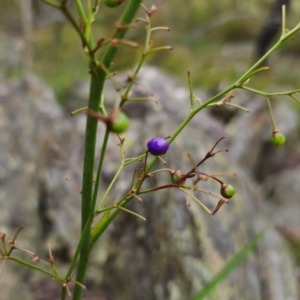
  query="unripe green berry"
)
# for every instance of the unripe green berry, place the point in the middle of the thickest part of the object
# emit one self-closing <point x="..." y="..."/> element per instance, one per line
<point x="176" y="176"/>
<point x="277" y="138"/>
<point x="117" y="122"/>
<point x="113" y="3"/>
<point x="227" y="191"/>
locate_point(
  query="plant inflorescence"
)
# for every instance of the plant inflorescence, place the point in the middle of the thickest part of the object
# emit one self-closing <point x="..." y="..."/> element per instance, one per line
<point x="117" y="123"/>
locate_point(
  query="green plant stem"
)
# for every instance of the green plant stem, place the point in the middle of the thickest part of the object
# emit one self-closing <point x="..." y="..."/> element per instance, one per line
<point x="4" y="246"/>
<point x="105" y="209"/>
<point x="130" y="160"/>
<point x="295" y="99"/>
<point x="143" y="99"/>
<point x="129" y="13"/>
<point x="88" y="27"/>
<point x="100" y="230"/>
<point x="160" y="28"/>
<point x="197" y="201"/>
<point x="73" y="113"/>
<point x="252" y="69"/>
<point x="97" y="182"/>
<point x="73" y="22"/>
<point x="271" y="114"/>
<point x="228" y="104"/>
<point x="258" y="71"/>
<point x="112" y="182"/>
<point x="76" y="254"/>
<point x="32" y="266"/>
<point x="283" y="20"/>
<point x="14" y="239"/>
<point x="96" y="87"/>
<point x="81" y="11"/>
<point x="130" y="84"/>
<point x="79" y="246"/>
<point x="140" y="63"/>
<point x="160" y="49"/>
<point x="55" y="270"/>
<point x="87" y="183"/>
<point x="191" y="90"/>
<point x="288" y="93"/>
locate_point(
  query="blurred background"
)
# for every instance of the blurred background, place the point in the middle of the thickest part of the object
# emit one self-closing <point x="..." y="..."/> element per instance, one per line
<point x="44" y="76"/>
<point x="216" y="39"/>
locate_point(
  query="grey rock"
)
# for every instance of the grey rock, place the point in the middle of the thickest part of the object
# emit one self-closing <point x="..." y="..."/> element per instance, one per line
<point x="179" y="249"/>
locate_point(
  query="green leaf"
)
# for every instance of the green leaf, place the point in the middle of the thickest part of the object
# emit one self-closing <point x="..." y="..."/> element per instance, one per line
<point x="231" y="265"/>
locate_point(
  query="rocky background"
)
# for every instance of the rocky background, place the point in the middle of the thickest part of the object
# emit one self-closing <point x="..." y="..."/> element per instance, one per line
<point x="178" y="249"/>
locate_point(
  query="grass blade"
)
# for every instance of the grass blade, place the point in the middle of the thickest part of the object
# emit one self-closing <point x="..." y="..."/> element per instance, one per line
<point x="231" y="265"/>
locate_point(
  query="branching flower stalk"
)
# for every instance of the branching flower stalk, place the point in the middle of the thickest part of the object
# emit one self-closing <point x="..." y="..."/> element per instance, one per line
<point x="7" y="255"/>
<point x="147" y="50"/>
<point x="238" y="84"/>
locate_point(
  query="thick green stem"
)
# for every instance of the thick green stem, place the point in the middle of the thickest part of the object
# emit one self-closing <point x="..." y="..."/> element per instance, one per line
<point x="126" y="19"/>
<point x="87" y="183"/>
<point x="96" y="87"/>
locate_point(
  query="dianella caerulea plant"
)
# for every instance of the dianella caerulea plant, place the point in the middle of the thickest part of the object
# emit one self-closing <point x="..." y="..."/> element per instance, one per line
<point x="82" y="19"/>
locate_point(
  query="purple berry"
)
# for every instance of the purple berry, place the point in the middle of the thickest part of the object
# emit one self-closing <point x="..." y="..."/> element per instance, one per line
<point x="158" y="146"/>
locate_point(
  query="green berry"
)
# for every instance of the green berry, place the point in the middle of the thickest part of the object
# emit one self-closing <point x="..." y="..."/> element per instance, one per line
<point x="113" y="3"/>
<point x="277" y="138"/>
<point x="118" y="122"/>
<point x="227" y="190"/>
<point x="176" y="176"/>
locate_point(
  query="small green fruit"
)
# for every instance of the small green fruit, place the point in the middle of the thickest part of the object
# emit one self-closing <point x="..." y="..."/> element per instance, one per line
<point x="113" y="3"/>
<point x="118" y="122"/>
<point x="277" y="138"/>
<point x="227" y="191"/>
<point x="176" y="176"/>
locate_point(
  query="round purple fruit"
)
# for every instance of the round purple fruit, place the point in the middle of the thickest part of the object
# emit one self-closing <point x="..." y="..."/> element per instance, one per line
<point x="158" y="146"/>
